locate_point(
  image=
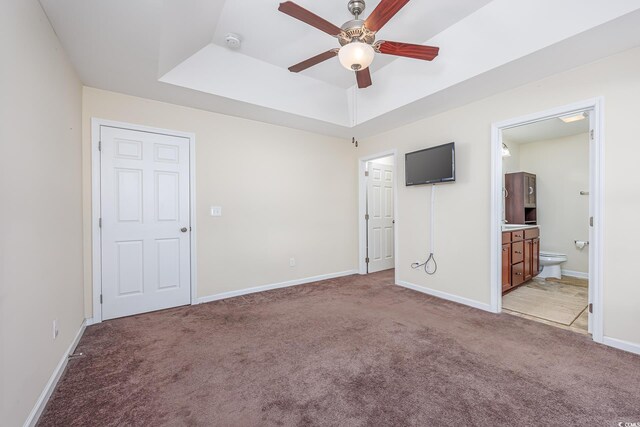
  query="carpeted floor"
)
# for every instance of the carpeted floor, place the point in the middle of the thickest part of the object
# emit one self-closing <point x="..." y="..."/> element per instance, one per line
<point x="354" y="351"/>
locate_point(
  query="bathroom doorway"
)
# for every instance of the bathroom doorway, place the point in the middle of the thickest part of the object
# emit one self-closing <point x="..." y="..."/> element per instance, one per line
<point x="546" y="175"/>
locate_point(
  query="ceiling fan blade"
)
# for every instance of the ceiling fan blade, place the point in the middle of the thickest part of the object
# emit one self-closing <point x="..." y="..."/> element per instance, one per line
<point x="383" y="13"/>
<point x="426" y="53"/>
<point x="313" y="61"/>
<point x="299" y="12"/>
<point x="364" y="78"/>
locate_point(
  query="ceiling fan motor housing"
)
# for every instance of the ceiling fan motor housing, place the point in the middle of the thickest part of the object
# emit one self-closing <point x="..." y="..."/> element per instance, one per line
<point x="356" y="7"/>
<point x="355" y="30"/>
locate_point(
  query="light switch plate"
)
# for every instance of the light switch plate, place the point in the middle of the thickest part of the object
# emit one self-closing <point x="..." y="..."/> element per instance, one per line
<point x="216" y="210"/>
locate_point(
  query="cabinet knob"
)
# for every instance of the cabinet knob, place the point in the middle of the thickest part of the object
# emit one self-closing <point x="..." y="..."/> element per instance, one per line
<point x="518" y="252"/>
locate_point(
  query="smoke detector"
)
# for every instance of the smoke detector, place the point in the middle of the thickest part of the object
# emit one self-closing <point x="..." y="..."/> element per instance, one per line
<point x="233" y="41"/>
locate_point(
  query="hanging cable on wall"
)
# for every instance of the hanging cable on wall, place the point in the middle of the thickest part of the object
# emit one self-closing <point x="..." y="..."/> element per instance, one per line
<point x="430" y="265"/>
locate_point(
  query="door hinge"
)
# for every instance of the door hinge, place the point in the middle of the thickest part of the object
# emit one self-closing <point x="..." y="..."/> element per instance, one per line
<point x="591" y="133"/>
<point x="100" y="298"/>
<point x="590" y="307"/>
<point x="366" y="217"/>
<point x="366" y="173"/>
<point x="99" y="222"/>
<point x="99" y="145"/>
<point x="366" y="260"/>
<point x="591" y="221"/>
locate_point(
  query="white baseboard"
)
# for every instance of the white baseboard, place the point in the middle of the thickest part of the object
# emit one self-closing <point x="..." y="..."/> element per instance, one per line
<point x="445" y="295"/>
<point x="578" y="274"/>
<point x="231" y="294"/>
<point x="90" y="321"/>
<point x="621" y="345"/>
<point x="32" y="419"/>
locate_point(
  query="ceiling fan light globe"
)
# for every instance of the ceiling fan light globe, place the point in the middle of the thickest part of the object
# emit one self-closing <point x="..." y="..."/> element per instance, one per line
<point x="356" y="56"/>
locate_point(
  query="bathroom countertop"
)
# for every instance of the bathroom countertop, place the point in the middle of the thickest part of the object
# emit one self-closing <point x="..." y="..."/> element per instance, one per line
<point x="513" y="227"/>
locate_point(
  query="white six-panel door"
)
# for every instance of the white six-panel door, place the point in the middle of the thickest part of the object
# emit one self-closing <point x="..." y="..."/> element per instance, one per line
<point x="380" y="223"/>
<point x="145" y="221"/>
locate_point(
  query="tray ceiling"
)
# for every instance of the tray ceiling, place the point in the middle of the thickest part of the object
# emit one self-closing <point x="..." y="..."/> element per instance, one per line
<point x="174" y="51"/>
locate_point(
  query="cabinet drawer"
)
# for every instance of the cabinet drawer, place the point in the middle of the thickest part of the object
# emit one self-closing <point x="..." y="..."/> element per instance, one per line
<point x="517" y="235"/>
<point x="517" y="252"/>
<point x="517" y="274"/>
<point x="506" y="237"/>
<point x="531" y="233"/>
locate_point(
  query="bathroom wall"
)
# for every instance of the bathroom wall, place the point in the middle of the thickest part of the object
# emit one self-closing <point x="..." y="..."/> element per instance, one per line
<point x="562" y="170"/>
<point x="512" y="163"/>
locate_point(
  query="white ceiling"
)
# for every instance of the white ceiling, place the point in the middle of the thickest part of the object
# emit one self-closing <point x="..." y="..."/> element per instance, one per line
<point x="543" y="130"/>
<point x="285" y="41"/>
<point x="173" y="51"/>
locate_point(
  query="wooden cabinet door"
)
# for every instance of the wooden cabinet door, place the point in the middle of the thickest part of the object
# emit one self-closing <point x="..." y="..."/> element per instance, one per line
<point x="528" y="259"/>
<point x="536" y="256"/>
<point x="530" y="191"/>
<point x="514" y="198"/>
<point x="506" y="267"/>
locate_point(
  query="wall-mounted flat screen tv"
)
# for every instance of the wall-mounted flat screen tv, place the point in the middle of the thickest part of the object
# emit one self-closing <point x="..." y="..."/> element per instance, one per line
<point x="431" y="165"/>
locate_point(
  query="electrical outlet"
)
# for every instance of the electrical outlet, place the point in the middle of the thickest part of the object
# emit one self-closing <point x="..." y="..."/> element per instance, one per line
<point x="292" y="262"/>
<point x="216" y="210"/>
<point x="55" y="329"/>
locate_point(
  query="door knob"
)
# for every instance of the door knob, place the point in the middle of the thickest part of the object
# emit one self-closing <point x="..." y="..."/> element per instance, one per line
<point x="183" y="229"/>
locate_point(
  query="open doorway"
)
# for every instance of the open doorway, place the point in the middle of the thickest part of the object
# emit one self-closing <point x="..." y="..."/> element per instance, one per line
<point x="377" y="213"/>
<point x="547" y="207"/>
<point x="545" y="229"/>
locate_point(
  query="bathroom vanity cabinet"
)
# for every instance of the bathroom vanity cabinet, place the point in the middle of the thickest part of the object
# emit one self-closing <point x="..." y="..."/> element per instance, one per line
<point x="520" y="198"/>
<point x="520" y="256"/>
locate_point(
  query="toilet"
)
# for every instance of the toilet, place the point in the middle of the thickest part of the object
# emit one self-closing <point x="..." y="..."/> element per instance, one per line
<point x="550" y="263"/>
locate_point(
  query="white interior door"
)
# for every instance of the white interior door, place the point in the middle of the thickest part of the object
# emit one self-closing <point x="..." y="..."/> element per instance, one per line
<point x="380" y="213"/>
<point x="592" y="189"/>
<point x="145" y="222"/>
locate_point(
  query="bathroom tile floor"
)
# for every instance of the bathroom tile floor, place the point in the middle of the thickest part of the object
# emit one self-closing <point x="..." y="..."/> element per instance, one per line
<point x="561" y="303"/>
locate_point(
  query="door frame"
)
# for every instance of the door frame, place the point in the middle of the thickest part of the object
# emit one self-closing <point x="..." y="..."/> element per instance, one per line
<point x="362" y="209"/>
<point x="96" y="196"/>
<point x="596" y="190"/>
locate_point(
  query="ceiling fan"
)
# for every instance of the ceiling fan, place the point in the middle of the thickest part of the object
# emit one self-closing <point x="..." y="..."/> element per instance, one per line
<point x="357" y="38"/>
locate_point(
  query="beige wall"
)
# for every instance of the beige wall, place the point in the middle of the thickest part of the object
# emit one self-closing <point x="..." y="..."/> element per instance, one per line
<point x="284" y="193"/>
<point x="562" y="171"/>
<point x="40" y="206"/>
<point x="463" y="208"/>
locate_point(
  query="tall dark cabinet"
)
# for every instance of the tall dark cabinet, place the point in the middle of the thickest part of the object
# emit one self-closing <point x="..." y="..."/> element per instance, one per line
<point x="520" y="198"/>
